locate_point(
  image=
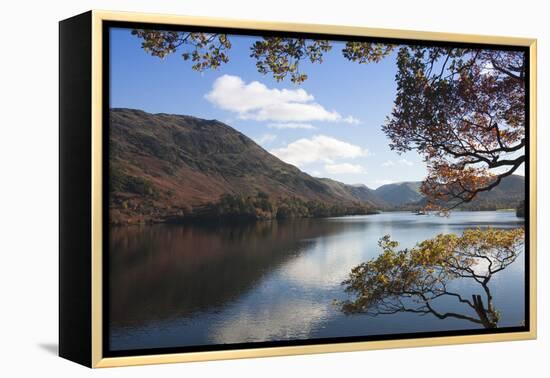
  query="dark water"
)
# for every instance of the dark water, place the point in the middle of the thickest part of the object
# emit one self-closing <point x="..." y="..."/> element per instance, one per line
<point x="189" y="285"/>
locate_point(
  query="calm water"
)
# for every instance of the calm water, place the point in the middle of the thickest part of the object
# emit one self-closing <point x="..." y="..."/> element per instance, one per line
<point x="187" y="285"/>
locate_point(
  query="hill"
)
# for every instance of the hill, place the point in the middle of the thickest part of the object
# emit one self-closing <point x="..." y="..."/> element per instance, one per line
<point x="506" y="195"/>
<point x="165" y="167"/>
<point x="170" y="168"/>
<point x="358" y="192"/>
<point x="399" y="193"/>
<point x="407" y="196"/>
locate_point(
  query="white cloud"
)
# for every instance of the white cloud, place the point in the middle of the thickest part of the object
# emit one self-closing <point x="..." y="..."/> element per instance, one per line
<point x="343" y="168"/>
<point x="391" y="163"/>
<point x="291" y="125"/>
<point x="266" y="138"/>
<point x="319" y="148"/>
<point x="352" y="120"/>
<point x="258" y="102"/>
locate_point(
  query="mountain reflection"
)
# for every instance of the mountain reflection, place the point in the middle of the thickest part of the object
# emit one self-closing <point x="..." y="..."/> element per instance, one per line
<point x="163" y="271"/>
<point x="183" y="285"/>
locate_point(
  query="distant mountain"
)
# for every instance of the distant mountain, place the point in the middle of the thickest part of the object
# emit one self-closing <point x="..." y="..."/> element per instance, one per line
<point x="508" y="194"/>
<point x="407" y="195"/>
<point x="358" y="192"/>
<point x="162" y="165"/>
<point x="399" y="193"/>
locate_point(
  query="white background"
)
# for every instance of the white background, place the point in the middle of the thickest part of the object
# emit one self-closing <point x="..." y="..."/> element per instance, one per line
<point x="29" y="189"/>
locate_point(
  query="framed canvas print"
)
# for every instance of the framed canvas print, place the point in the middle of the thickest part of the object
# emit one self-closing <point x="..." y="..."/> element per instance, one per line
<point x="235" y="189"/>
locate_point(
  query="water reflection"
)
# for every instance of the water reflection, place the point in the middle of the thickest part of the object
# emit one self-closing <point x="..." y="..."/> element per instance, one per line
<point x="191" y="285"/>
<point x="165" y="271"/>
<point x="412" y="280"/>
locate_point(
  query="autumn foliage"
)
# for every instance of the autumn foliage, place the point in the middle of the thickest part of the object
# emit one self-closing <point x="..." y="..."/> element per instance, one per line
<point x="464" y="112"/>
<point x="412" y="280"/>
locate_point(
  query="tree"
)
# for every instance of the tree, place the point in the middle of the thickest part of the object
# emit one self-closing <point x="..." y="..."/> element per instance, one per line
<point x="280" y="56"/>
<point x="205" y="50"/>
<point x="413" y="280"/>
<point x="461" y="109"/>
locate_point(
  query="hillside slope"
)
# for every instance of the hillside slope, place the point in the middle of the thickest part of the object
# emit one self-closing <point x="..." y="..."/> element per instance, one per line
<point x="163" y="165"/>
<point x="399" y="193"/>
<point x="359" y="192"/>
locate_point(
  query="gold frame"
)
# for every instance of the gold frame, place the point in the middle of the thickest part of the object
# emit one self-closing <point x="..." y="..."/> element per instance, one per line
<point x="97" y="356"/>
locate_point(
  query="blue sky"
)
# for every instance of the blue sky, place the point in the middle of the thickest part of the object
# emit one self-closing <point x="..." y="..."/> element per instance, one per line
<point x="328" y="126"/>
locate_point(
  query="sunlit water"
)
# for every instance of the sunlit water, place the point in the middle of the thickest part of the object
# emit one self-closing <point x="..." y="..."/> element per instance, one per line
<point x="195" y="285"/>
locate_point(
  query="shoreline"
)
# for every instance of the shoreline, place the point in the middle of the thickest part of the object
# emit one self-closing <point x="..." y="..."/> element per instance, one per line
<point x="247" y="221"/>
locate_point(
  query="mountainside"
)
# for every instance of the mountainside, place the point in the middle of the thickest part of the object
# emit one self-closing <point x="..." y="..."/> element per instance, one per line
<point x="359" y="192"/>
<point x="162" y="166"/>
<point x="508" y="194"/>
<point x="399" y="193"/>
<point x="168" y="167"/>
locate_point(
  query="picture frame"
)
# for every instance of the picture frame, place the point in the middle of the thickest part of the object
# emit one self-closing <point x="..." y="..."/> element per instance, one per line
<point x="84" y="121"/>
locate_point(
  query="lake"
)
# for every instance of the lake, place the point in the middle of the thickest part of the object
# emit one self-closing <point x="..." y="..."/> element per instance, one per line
<point x="181" y="285"/>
